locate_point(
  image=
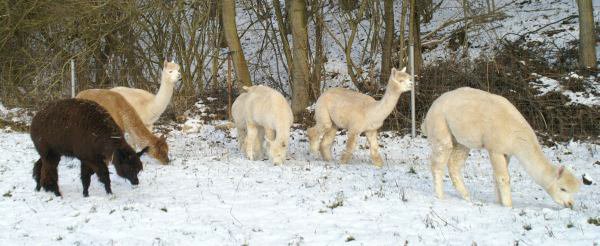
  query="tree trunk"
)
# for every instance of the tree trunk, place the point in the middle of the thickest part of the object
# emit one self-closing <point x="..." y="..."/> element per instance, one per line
<point x="402" y="40"/>
<point x="300" y="71"/>
<point x="317" y="69"/>
<point x="388" y="40"/>
<point x="415" y="36"/>
<point x="233" y="41"/>
<point x="587" y="41"/>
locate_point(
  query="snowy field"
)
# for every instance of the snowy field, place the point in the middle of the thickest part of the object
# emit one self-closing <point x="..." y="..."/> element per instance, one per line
<point x="211" y="195"/>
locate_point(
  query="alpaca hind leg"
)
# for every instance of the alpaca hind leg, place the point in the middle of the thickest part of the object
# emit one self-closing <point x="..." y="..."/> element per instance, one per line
<point x="374" y="148"/>
<point x="326" y="143"/>
<point x="264" y="138"/>
<point x="250" y="141"/>
<point x="439" y="160"/>
<point x="314" y="138"/>
<point x="502" y="177"/>
<point x="350" y="146"/>
<point x="241" y="138"/>
<point x="456" y="164"/>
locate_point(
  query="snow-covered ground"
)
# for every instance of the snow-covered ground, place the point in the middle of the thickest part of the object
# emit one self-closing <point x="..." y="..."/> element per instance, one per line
<point x="211" y="195"/>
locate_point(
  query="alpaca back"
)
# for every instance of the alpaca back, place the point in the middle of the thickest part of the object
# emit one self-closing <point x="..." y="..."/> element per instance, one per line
<point x="479" y="119"/>
<point x="267" y="107"/>
<point x="128" y="120"/>
<point x="342" y="106"/>
<point x="77" y="128"/>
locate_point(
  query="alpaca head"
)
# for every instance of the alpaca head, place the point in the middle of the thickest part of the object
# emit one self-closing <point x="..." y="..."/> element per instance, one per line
<point x="160" y="150"/>
<point x="170" y="72"/>
<point x="128" y="164"/>
<point x="277" y="151"/>
<point x="399" y="81"/>
<point x="563" y="187"/>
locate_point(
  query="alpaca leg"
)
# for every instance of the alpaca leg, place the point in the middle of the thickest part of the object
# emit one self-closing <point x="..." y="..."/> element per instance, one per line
<point x="241" y="138"/>
<point x="350" y="146"/>
<point x="37" y="172"/>
<point x="455" y="166"/>
<point x="439" y="160"/>
<point x="326" y="144"/>
<point x="264" y="134"/>
<point x="314" y="138"/>
<point x="86" y="174"/>
<point x="251" y="134"/>
<point x="49" y="173"/>
<point x="103" y="176"/>
<point x="374" y="148"/>
<point x="502" y="177"/>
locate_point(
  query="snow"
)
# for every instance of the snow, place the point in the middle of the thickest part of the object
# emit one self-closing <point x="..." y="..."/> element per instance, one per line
<point x="588" y="98"/>
<point x="211" y="195"/>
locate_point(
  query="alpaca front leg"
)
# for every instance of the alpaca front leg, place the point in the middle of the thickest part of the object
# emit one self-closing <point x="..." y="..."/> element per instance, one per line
<point x="327" y="142"/>
<point x="49" y="174"/>
<point x="500" y="166"/>
<point x="251" y="134"/>
<point x="374" y="148"/>
<point x="455" y="167"/>
<point x="86" y="174"/>
<point x="350" y="145"/>
<point x="241" y="138"/>
<point x="103" y="176"/>
<point x="37" y="172"/>
<point x="439" y="159"/>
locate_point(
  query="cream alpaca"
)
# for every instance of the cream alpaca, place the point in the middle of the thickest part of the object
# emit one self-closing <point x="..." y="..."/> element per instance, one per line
<point x="343" y="108"/>
<point x="128" y="120"/>
<point x="262" y="112"/>
<point x="467" y="118"/>
<point x="147" y="105"/>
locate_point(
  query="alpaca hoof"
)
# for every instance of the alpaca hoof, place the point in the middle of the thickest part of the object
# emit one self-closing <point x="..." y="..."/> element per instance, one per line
<point x="378" y="163"/>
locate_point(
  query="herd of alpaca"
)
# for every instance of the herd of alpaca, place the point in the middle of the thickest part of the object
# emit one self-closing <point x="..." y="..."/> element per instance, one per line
<point x="103" y="126"/>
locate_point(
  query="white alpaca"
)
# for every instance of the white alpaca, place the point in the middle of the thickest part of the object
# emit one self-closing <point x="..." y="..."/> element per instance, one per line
<point x="343" y="108"/>
<point x="262" y="112"/>
<point x="149" y="106"/>
<point x="468" y="118"/>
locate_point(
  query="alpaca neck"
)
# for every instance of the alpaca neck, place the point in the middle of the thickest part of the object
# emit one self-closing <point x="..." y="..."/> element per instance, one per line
<point x="141" y="137"/>
<point x="380" y="110"/>
<point x="537" y="165"/>
<point x="163" y="97"/>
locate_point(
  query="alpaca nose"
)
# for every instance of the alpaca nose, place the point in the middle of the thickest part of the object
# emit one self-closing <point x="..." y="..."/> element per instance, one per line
<point x="569" y="204"/>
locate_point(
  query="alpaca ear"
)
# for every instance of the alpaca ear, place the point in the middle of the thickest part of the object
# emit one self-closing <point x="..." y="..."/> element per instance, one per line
<point x="403" y="70"/>
<point x="165" y="63"/>
<point x="561" y="170"/>
<point x="139" y="154"/>
<point x="162" y="137"/>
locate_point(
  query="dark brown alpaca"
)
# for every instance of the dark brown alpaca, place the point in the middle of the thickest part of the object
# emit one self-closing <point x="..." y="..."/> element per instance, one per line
<point x="82" y="129"/>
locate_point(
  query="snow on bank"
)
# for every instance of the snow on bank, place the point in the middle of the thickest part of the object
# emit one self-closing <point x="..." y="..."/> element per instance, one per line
<point x="210" y="195"/>
<point x="588" y="98"/>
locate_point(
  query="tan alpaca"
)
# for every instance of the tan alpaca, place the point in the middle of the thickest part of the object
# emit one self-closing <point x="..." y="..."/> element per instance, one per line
<point x="128" y="120"/>
<point x="468" y="118"/>
<point x="343" y="108"/>
<point x="147" y="105"/>
<point x="262" y="113"/>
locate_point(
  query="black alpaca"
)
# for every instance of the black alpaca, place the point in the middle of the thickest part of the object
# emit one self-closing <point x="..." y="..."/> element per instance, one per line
<point x="82" y="129"/>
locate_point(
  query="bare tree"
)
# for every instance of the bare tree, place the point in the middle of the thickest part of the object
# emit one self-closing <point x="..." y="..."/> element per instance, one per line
<point x="233" y="41"/>
<point x="587" y="40"/>
<point x="388" y="41"/>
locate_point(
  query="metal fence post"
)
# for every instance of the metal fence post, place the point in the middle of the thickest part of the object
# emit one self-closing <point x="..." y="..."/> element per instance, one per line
<point x="73" y="79"/>
<point x="412" y="91"/>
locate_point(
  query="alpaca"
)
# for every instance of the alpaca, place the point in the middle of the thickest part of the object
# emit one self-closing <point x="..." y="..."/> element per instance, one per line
<point x="343" y="108"/>
<point x="127" y="119"/>
<point x="468" y="118"/>
<point x="147" y="105"/>
<point x="82" y="129"/>
<point x="262" y="113"/>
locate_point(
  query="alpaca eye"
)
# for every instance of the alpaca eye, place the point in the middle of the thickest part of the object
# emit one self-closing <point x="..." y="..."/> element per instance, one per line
<point x="170" y="71"/>
<point x="563" y="189"/>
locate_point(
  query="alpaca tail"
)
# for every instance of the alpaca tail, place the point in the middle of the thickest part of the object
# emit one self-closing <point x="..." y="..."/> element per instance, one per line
<point x="246" y="88"/>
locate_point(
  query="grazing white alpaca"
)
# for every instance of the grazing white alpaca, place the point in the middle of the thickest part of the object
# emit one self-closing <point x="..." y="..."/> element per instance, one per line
<point x="468" y="118"/>
<point x="347" y="109"/>
<point x="262" y="112"/>
<point x="147" y="105"/>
